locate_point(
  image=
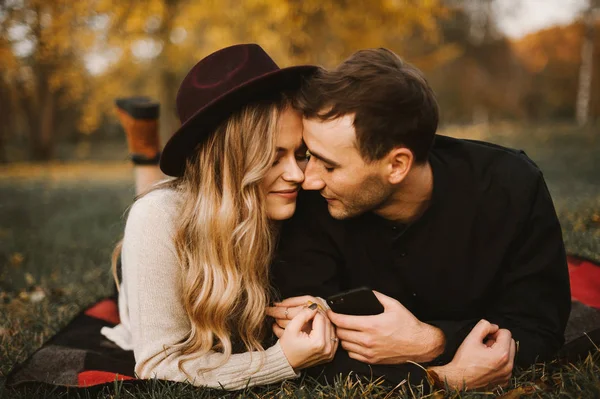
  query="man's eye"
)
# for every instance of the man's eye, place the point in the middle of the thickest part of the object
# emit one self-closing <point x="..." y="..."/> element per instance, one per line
<point x="329" y="168"/>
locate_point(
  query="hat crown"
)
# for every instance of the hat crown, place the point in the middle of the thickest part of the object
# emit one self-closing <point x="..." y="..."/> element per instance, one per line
<point x="220" y="73"/>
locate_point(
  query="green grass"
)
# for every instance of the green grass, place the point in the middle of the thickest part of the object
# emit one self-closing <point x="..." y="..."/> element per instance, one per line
<point x="58" y="226"/>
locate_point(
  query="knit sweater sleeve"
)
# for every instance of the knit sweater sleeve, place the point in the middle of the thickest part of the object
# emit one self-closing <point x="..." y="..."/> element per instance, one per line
<point x="157" y="315"/>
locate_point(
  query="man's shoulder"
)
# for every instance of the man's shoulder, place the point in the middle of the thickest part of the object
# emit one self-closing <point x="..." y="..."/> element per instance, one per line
<point x="487" y="159"/>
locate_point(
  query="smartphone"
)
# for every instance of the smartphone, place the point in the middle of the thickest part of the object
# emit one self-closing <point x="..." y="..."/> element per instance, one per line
<point x="357" y="302"/>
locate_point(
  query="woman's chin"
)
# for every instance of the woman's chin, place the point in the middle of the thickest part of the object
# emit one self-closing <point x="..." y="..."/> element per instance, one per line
<point x="281" y="212"/>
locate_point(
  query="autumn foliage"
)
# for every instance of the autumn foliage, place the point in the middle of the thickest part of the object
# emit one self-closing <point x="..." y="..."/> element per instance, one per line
<point x="62" y="62"/>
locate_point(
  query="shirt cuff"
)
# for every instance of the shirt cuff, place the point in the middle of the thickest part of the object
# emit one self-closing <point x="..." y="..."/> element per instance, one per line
<point x="455" y="333"/>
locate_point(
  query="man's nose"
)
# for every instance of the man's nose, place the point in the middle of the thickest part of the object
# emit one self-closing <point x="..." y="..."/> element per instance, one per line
<point x="312" y="178"/>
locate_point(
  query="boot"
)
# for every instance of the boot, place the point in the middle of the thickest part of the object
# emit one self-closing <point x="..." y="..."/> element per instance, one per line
<point x="139" y="118"/>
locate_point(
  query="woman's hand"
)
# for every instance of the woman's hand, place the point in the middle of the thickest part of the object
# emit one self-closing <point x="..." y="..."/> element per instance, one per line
<point x="308" y="339"/>
<point x="283" y="312"/>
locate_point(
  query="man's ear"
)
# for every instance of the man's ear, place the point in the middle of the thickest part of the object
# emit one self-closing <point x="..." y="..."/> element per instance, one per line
<point x="399" y="163"/>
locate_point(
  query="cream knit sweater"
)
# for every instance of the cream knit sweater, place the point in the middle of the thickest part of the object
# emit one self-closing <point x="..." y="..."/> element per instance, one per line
<point x="153" y="317"/>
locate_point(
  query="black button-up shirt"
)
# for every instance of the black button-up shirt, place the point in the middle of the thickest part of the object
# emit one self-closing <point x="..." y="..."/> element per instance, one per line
<point x="489" y="246"/>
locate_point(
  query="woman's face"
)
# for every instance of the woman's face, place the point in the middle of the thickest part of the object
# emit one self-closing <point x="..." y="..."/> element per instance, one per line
<point x="283" y="180"/>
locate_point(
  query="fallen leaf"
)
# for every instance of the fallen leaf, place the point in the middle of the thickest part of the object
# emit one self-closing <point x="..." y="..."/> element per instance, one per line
<point x="514" y="393"/>
<point x="29" y="279"/>
<point x="38" y="295"/>
<point x="438" y="395"/>
<point x="4" y="297"/>
<point x="579" y="226"/>
<point x="530" y="389"/>
<point x="16" y="259"/>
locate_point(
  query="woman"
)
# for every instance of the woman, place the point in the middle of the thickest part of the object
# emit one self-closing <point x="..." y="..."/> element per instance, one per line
<point x="197" y="248"/>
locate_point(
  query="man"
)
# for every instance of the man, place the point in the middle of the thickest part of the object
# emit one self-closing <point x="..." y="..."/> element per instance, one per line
<point x="458" y="238"/>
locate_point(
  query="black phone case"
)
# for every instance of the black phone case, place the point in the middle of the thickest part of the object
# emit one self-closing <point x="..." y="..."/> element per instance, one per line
<point x="357" y="302"/>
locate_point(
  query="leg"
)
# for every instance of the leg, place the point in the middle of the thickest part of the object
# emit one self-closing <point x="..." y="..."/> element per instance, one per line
<point x="145" y="177"/>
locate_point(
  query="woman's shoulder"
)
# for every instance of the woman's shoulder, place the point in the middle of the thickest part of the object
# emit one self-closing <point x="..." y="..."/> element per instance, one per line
<point x="157" y="208"/>
<point x="152" y="220"/>
<point x="162" y="200"/>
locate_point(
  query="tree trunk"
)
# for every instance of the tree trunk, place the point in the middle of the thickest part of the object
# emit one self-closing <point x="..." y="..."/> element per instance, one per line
<point x="168" y="80"/>
<point x="43" y="132"/>
<point x="5" y="120"/>
<point x="169" y="121"/>
<point x="585" y="71"/>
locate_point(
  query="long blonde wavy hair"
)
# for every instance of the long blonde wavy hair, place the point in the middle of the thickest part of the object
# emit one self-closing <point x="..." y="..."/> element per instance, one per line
<point x="224" y="239"/>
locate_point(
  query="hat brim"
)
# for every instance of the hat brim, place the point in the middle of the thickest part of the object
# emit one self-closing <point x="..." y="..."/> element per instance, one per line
<point x="204" y="121"/>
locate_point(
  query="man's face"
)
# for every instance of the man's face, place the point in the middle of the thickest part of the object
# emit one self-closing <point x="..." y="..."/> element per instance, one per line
<point x="336" y="168"/>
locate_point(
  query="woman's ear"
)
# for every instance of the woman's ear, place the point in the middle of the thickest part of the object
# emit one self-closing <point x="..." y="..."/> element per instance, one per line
<point x="399" y="161"/>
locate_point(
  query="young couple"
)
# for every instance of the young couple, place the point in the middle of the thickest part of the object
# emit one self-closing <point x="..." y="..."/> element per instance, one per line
<point x="459" y="239"/>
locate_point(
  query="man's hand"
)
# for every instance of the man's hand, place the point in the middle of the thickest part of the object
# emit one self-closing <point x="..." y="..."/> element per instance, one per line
<point x="485" y="358"/>
<point x="392" y="337"/>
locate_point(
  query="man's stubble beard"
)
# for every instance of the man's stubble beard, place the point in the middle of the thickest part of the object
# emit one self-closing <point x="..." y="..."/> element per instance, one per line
<point x="372" y="194"/>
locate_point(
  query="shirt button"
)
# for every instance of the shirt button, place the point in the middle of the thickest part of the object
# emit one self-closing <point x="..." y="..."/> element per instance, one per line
<point x="414" y="294"/>
<point x="394" y="228"/>
<point x="403" y="254"/>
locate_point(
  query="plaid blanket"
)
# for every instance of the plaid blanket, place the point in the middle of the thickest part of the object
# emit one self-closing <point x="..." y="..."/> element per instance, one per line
<point x="79" y="356"/>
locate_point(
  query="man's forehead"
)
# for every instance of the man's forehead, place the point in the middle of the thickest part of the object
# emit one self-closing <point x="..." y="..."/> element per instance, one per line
<point x="338" y="132"/>
<point x="333" y="140"/>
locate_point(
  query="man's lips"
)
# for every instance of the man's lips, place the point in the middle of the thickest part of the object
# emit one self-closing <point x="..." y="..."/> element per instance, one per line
<point x="329" y="199"/>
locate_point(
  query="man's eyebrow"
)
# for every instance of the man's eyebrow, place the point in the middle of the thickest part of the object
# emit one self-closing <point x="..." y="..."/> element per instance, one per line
<point x="324" y="159"/>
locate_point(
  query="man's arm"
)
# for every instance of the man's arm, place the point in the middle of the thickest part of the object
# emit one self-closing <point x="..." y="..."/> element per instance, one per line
<point x="533" y="299"/>
<point x="485" y="358"/>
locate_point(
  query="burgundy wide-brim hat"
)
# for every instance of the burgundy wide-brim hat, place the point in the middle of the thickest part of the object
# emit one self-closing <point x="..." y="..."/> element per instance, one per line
<point x="219" y="85"/>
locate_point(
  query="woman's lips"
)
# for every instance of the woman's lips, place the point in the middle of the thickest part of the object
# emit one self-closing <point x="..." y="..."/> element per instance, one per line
<point x="290" y="194"/>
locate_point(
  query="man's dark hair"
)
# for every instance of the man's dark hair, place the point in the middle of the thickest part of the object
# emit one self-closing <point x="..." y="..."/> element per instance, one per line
<point x="392" y="102"/>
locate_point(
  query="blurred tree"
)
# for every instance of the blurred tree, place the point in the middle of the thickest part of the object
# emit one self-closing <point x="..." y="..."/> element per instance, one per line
<point x="326" y="32"/>
<point x="46" y="38"/>
<point x="8" y="65"/>
<point x="71" y="59"/>
<point x="173" y="34"/>
<point x="553" y="58"/>
<point x="483" y="79"/>
<point x="587" y="64"/>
